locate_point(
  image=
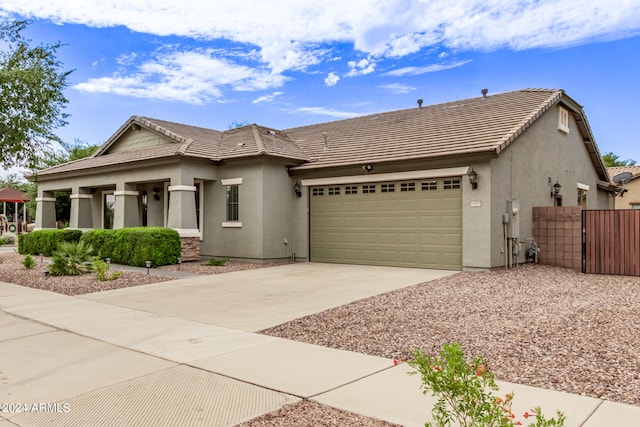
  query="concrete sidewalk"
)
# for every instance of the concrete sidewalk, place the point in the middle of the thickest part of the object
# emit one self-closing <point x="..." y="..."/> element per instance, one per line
<point x="76" y="362"/>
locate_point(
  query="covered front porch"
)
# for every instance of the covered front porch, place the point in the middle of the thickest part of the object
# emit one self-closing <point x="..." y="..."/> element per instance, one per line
<point x="130" y="199"/>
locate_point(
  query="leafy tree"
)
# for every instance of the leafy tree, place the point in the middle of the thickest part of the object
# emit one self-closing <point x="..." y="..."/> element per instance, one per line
<point x="32" y="102"/>
<point x="611" y="160"/>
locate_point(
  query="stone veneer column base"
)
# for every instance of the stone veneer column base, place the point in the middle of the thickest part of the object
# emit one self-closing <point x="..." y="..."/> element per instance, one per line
<point x="190" y="248"/>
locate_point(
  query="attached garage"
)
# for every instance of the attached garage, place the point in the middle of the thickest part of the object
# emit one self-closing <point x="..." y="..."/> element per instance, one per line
<point x="408" y="223"/>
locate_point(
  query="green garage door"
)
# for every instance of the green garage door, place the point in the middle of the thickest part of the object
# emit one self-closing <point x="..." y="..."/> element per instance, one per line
<point x="404" y="223"/>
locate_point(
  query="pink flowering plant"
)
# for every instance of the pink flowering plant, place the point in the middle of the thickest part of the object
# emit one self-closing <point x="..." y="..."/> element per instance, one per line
<point x="464" y="392"/>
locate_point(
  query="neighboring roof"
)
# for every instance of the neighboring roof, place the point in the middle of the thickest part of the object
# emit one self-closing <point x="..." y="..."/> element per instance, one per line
<point x="13" y="195"/>
<point x="634" y="170"/>
<point x="482" y="125"/>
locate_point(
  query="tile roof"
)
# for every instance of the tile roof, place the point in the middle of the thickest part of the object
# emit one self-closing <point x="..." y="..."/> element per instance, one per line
<point x="467" y="126"/>
<point x="477" y="125"/>
<point x="634" y="170"/>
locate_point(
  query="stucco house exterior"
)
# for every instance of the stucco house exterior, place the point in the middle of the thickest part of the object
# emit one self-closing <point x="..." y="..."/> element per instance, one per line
<point x="630" y="199"/>
<point x="392" y="188"/>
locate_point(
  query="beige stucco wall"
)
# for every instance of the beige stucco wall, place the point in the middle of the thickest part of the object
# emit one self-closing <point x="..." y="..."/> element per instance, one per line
<point x="526" y="170"/>
<point x="631" y="197"/>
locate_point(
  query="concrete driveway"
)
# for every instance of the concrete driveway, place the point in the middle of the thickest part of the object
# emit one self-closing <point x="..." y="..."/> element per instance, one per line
<point x="254" y="300"/>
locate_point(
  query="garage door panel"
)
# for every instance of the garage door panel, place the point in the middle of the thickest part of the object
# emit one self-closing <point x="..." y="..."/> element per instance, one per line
<point x="404" y="228"/>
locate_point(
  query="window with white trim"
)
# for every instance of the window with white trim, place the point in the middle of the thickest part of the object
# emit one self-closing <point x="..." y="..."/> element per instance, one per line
<point x="233" y="205"/>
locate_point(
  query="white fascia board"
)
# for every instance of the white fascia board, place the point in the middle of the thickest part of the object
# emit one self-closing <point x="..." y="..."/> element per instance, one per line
<point x="394" y="176"/>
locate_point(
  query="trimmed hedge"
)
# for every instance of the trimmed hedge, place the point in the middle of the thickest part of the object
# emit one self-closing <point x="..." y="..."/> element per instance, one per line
<point x="45" y="242"/>
<point x="134" y="246"/>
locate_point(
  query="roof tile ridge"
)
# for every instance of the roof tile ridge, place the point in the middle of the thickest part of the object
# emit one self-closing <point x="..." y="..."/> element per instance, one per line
<point x="160" y="129"/>
<point x="262" y="150"/>
<point x="524" y="124"/>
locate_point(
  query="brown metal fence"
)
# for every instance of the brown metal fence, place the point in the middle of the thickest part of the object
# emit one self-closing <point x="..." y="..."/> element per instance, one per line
<point x="611" y="242"/>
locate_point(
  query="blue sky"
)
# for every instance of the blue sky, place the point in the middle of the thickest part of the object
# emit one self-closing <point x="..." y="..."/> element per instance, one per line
<point x="286" y="63"/>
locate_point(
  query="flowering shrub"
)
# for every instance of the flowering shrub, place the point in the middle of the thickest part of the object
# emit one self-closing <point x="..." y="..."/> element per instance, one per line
<point x="464" y="392"/>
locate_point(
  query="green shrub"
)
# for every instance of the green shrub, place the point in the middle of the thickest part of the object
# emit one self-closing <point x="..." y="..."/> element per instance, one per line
<point x="102" y="271"/>
<point x="28" y="262"/>
<point x="45" y="242"/>
<point x="71" y="259"/>
<point x="464" y="392"/>
<point x="102" y="242"/>
<point x="134" y="246"/>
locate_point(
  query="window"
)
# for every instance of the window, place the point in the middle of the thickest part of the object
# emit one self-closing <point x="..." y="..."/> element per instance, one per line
<point x="451" y="184"/>
<point x="387" y="188"/>
<point x="232" y="203"/>
<point x="582" y="198"/>
<point x="429" y="185"/>
<point x="351" y="189"/>
<point x="408" y="186"/>
<point x="635" y="205"/>
<point x="108" y="209"/>
<point x="563" y="120"/>
<point x="367" y="189"/>
<point x="334" y="191"/>
<point x="318" y="191"/>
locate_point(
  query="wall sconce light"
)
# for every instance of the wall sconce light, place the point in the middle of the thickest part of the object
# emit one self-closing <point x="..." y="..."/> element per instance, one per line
<point x="367" y="167"/>
<point x="473" y="179"/>
<point x="555" y="191"/>
<point x="156" y="193"/>
<point x="297" y="188"/>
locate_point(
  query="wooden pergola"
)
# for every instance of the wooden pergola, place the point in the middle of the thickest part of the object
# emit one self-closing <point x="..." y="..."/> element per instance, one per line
<point x="11" y="195"/>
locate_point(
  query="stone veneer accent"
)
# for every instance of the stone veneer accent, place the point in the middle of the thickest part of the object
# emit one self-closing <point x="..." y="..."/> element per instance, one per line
<point x="190" y="250"/>
<point x="558" y="232"/>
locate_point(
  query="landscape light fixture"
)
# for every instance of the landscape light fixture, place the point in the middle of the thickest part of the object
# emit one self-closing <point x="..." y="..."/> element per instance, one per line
<point x="473" y="179"/>
<point x="148" y="265"/>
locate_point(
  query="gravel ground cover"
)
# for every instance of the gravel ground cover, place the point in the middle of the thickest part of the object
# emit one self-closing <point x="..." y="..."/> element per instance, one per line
<point x="12" y="271"/>
<point x="542" y="326"/>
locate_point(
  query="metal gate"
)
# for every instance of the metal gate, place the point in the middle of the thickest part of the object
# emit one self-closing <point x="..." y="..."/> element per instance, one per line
<point x="611" y="242"/>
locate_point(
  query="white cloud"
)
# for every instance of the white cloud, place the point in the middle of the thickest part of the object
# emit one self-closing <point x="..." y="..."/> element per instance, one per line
<point x="398" y="88"/>
<point x="267" y="98"/>
<point x="414" y="71"/>
<point x="331" y="79"/>
<point x="193" y="77"/>
<point x="287" y="33"/>
<point x="322" y="111"/>
<point x="361" y="68"/>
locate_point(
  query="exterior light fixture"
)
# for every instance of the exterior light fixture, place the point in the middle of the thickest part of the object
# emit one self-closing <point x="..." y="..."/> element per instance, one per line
<point x="108" y="260"/>
<point x="556" y="190"/>
<point x="156" y="193"/>
<point x="297" y="188"/>
<point x="179" y="263"/>
<point x="148" y="265"/>
<point x="367" y="167"/>
<point x="473" y="179"/>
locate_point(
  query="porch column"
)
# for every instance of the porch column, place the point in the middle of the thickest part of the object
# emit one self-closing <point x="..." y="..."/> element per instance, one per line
<point x="81" y="215"/>
<point x="126" y="207"/>
<point x="45" y="210"/>
<point x="182" y="218"/>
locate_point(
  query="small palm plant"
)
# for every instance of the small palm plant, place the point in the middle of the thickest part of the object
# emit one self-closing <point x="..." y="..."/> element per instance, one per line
<point x="71" y="259"/>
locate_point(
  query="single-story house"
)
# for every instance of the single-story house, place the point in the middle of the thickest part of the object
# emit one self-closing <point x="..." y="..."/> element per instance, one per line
<point x="448" y="186"/>
<point x="630" y="197"/>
